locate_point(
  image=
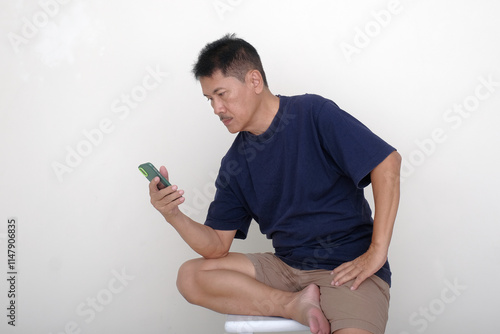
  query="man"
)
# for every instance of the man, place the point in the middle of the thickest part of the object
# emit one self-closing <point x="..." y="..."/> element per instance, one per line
<point x="297" y="167"/>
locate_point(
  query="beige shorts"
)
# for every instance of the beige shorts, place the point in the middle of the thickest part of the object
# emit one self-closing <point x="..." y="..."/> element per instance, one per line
<point x="365" y="308"/>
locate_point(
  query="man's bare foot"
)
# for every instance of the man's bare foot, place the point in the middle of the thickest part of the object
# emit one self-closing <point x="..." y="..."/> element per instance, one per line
<point x="305" y="308"/>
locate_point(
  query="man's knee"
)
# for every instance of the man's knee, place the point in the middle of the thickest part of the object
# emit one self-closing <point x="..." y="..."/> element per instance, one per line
<point x="191" y="273"/>
<point x="186" y="279"/>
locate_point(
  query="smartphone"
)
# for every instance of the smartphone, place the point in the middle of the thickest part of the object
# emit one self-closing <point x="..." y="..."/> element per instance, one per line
<point x="150" y="172"/>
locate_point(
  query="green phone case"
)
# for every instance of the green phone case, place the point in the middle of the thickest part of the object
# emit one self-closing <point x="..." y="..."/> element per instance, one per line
<point x="150" y="172"/>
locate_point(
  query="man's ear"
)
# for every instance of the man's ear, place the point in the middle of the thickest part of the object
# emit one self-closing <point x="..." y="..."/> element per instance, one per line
<point x="255" y="81"/>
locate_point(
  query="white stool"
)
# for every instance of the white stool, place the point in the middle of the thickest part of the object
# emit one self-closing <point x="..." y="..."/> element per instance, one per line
<point x="245" y="324"/>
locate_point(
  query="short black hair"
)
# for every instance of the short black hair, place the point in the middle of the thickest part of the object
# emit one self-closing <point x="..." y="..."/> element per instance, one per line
<point x="231" y="55"/>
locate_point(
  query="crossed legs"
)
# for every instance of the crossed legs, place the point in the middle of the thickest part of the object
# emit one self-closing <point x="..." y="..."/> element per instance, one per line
<point x="228" y="285"/>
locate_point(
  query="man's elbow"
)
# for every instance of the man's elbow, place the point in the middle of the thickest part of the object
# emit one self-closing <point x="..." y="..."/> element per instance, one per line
<point x="218" y="246"/>
<point x="216" y="253"/>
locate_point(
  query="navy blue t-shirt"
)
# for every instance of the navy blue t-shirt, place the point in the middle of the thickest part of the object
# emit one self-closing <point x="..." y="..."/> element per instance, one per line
<point x="302" y="181"/>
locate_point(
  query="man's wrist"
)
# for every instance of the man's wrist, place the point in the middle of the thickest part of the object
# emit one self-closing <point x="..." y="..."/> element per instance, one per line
<point x="380" y="249"/>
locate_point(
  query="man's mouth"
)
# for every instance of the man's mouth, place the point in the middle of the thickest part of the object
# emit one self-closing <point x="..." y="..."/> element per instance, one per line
<point x="226" y="120"/>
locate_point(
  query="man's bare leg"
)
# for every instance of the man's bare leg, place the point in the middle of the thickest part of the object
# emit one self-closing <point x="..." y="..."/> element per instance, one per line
<point x="228" y="285"/>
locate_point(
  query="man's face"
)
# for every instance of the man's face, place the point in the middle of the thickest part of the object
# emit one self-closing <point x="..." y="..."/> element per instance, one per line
<point x="233" y="101"/>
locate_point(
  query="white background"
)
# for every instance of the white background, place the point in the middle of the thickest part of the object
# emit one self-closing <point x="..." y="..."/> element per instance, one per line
<point x="403" y="68"/>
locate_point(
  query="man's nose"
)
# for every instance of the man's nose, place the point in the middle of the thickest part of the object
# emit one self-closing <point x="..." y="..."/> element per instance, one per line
<point x="218" y="107"/>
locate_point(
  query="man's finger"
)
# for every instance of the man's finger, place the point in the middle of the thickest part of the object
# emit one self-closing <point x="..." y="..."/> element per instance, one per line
<point x="357" y="282"/>
<point x="344" y="275"/>
<point x="164" y="171"/>
<point x="153" y="185"/>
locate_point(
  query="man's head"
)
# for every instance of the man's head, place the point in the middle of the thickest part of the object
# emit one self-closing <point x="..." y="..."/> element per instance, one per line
<point x="233" y="80"/>
<point x="232" y="56"/>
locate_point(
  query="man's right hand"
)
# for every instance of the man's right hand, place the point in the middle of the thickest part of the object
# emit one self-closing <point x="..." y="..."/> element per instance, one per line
<point x="204" y="240"/>
<point x="166" y="200"/>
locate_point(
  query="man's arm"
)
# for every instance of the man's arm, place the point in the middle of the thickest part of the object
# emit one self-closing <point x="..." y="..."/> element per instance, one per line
<point x="203" y="239"/>
<point x="385" y="184"/>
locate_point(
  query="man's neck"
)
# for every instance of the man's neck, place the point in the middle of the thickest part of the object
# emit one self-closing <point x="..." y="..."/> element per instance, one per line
<point x="265" y="113"/>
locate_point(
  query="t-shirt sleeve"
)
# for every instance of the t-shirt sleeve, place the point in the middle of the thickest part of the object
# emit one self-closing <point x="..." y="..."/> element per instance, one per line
<point x="226" y="212"/>
<point x="354" y="148"/>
